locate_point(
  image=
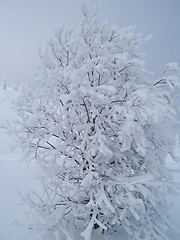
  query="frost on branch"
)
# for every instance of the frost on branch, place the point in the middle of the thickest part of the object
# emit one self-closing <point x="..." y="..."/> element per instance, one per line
<point x="94" y="121"/>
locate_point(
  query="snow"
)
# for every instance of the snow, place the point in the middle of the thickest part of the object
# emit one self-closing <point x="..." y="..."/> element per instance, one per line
<point x="16" y="179"/>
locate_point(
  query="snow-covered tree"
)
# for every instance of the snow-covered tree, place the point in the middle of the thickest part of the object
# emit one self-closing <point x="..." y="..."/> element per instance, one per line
<point x="3" y="84"/>
<point x="94" y="120"/>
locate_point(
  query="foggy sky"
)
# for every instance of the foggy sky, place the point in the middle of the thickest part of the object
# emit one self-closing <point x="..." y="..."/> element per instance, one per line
<point x="25" y="25"/>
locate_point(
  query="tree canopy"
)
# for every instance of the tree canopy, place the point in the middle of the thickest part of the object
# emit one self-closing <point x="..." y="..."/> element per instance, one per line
<point x="94" y="121"/>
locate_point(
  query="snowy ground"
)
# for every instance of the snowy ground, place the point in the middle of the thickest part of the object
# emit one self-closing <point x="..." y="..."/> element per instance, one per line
<point x="16" y="177"/>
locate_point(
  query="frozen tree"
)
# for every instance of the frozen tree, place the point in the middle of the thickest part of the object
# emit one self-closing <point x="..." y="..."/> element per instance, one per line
<point x="94" y="121"/>
<point x="3" y="83"/>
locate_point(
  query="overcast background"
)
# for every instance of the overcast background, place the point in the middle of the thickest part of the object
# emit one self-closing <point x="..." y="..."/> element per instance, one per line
<point x="25" y="25"/>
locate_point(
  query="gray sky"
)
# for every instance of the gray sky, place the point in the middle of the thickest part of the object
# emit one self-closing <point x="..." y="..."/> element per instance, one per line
<point x="26" y="24"/>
